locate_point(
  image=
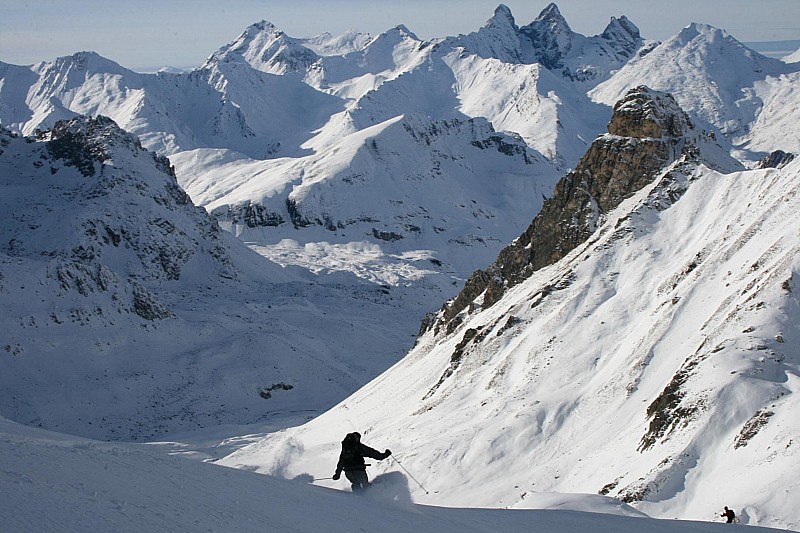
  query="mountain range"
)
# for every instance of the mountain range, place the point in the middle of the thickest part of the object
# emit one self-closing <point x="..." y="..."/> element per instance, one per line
<point x="578" y="223"/>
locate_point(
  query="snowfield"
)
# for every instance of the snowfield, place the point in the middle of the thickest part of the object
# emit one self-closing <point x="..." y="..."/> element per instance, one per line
<point x="53" y="482"/>
<point x="218" y="320"/>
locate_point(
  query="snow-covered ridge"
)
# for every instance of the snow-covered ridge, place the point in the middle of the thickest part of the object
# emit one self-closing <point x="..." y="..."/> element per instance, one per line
<point x="375" y="79"/>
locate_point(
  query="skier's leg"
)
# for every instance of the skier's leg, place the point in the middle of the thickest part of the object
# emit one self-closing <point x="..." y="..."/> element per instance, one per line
<point x="358" y="479"/>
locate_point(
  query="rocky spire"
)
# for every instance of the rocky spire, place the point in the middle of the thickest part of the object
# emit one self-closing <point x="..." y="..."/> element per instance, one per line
<point x="623" y="36"/>
<point x="550" y="36"/>
<point x="502" y="18"/>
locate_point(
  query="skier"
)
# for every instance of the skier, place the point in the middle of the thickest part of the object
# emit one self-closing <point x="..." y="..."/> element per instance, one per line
<point x="729" y="515"/>
<point x="351" y="460"/>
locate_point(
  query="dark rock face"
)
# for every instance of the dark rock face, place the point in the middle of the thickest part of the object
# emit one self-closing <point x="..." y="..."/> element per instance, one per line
<point x="250" y="214"/>
<point x="776" y="159"/>
<point x="622" y="36"/>
<point x="551" y="37"/>
<point x="647" y="132"/>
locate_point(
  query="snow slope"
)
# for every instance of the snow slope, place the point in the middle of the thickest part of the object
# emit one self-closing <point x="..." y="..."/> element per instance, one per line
<point x="54" y="482"/>
<point x="654" y="363"/>
<point x="794" y="57"/>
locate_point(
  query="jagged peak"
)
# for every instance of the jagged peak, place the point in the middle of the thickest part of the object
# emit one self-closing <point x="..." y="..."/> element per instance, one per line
<point x="391" y="37"/>
<point x="265" y="47"/>
<point x="262" y="26"/>
<point x="553" y="17"/>
<point x="402" y="31"/>
<point x="621" y="29"/>
<point x="550" y="36"/>
<point x="262" y="31"/>
<point x="89" y="139"/>
<point x="502" y="18"/>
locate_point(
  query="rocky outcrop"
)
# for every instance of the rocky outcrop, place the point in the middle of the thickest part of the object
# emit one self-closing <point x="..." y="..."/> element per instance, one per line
<point x="776" y="159"/>
<point x="647" y="132"/>
<point x="250" y="214"/>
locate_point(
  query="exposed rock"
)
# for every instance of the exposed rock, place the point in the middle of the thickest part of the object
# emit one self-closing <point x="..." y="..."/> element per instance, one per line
<point x="551" y="37"/>
<point x="623" y="36"/>
<point x="250" y="214"/>
<point x="647" y="132"/>
<point x="776" y="159"/>
<point x="752" y="427"/>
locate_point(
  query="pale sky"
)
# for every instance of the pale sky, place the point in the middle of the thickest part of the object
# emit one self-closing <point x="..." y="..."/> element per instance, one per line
<point x="145" y="34"/>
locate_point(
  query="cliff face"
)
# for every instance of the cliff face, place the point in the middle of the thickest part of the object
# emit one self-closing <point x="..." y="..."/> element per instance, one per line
<point x="647" y="132"/>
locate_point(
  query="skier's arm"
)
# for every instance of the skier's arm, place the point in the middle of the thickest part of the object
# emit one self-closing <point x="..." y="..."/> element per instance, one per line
<point x="372" y="453"/>
<point x="339" y="468"/>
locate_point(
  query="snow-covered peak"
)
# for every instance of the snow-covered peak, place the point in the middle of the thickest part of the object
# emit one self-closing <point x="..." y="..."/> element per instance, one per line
<point x="498" y="38"/>
<point x="705" y="32"/>
<point x="87" y="61"/>
<point x="266" y="48"/>
<point x="707" y="40"/>
<point x="68" y="71"/>
<point x="502" y="18"/>
<point x="326" y="44"/>
<point x="552" y="16"/>
<point x="398" y="33"/>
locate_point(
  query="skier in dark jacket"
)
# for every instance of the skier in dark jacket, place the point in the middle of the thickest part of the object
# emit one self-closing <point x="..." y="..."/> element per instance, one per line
<point x="351" y="460"/>
<point x="728" y="515"/>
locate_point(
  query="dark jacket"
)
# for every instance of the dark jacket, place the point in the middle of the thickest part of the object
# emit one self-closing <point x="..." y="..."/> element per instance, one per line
<point x="353" y="453"/>
<point x="729" y="515"/>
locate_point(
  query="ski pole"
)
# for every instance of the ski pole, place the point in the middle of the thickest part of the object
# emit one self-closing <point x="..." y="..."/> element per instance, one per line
<point x="321" y="478"/>
<point x="409" y="474"/>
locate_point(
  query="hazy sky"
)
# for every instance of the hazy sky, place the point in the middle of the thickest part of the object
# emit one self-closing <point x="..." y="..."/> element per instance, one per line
<point x="141" y="34"/>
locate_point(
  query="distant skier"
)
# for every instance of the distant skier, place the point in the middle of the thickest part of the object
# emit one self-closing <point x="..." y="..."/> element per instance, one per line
<point x="351" y="460"/>
<point x="728" y="515"/>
